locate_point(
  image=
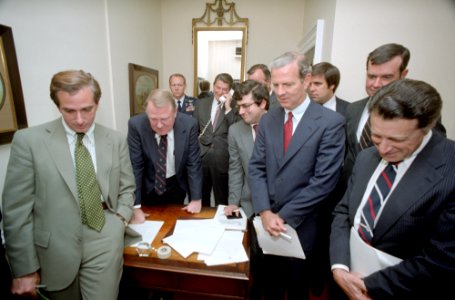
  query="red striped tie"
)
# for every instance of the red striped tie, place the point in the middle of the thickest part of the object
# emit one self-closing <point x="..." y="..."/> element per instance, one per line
<point x="375" y="202"/>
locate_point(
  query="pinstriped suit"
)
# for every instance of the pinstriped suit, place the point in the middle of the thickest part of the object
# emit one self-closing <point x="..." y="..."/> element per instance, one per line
<point x="417" y="224"/>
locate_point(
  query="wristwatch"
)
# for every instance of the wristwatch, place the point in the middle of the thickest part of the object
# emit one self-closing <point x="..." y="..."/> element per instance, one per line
<point x="125" y="222"/>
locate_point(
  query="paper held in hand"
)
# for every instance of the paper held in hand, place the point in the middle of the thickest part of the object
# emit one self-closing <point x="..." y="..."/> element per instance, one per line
<point x="283" y="245"/>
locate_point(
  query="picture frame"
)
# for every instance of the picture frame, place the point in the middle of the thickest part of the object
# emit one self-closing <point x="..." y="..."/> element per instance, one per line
<point x="12" y="108"/>
<point x="142" y="81"/>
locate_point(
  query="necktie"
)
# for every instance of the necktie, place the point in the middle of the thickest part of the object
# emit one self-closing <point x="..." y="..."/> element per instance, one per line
<point x="87" y="187"/>
<point x="217" y="116"/>
<point x="375" y="202"/>
<point x="180" y="105"/>
<point x="365" y="137"/>
<point x="287" y="131"/>
<point x="160" y="175"/>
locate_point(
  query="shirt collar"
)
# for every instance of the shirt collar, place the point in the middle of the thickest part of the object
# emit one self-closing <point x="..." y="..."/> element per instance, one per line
<point x="90" y="134"/>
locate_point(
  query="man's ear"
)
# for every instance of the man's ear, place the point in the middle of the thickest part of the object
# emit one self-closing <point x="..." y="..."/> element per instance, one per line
<point x="404" y="73"/>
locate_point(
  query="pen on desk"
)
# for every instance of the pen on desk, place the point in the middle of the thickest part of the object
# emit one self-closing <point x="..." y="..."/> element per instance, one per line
<point x="286" y="236"/>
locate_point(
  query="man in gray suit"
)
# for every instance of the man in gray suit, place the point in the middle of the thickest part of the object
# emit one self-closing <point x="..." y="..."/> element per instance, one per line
<point x="296" y="162"/>
<point x="253" y="104"/>
<point x="46" y="240"/>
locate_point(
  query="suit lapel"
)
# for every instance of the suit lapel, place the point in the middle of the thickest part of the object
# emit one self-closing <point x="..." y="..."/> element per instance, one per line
<point x="305" y="129"/>
<point x="246" y="135"/>
<point x="59" y="151"/>
<point x="179" y="141"/>
<point x="103" y="145"/>
<point x="277" y="133"/>
<point x="421" y="177"/>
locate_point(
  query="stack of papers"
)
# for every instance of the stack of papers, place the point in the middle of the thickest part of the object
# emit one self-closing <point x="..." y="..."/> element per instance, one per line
<point x="217" y="241"/>
<point x="148" y="230"/>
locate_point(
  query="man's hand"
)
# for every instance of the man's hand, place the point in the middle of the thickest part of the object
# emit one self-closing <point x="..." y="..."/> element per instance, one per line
<point x="272" y="223"/>
<point x="194" y="206"/>
<point x="25" y="285"/>
<point x="138" y="216"/>
<point x="231" y="210"/>
<point x="351" y="283"/>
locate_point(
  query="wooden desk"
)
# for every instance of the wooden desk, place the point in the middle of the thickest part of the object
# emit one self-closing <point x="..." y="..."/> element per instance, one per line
<point x="185" y="278"/>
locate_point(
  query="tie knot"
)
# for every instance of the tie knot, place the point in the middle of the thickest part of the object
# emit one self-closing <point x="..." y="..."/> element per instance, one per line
<point x="80" y="137"/>
<point x="290" y="115"/>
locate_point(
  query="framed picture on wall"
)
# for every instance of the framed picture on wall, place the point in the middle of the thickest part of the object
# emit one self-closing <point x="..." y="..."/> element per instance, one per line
<point x="142" y="81"/>
<point x="12" y="109"/>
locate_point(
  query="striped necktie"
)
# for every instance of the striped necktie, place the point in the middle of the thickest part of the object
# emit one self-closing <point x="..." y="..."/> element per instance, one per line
<point x="376" y="201"/>
<point x="287" y="132"/>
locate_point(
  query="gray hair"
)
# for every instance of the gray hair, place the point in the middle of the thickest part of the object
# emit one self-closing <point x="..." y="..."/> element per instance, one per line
<point x="290" y="57"/>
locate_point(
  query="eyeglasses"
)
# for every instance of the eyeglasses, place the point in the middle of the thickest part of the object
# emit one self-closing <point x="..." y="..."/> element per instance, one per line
<point x="244" y="106"/>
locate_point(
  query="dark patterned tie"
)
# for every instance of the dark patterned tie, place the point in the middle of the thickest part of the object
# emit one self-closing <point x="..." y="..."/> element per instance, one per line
<point x="217" y="116"/>
<point x="160" y="174"/>
<point x="365" y="137"/>
<point x="375" y="202"/>
<point x="88" y="190"/>
<point x="180" y="105"/>
<point x="287" y="131"/>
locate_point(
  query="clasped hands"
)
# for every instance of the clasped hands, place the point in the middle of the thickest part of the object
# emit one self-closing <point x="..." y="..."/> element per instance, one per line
<point x="352" y="284"/>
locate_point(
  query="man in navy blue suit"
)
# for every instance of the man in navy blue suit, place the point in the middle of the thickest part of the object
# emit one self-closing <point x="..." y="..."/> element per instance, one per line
<point x="289" y="185"/>
<point x="183" y="159"/>
<point x="415" y="221"/>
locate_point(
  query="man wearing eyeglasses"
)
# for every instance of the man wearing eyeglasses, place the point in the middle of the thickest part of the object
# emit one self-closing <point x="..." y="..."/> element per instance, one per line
<point x="254" y="102"/>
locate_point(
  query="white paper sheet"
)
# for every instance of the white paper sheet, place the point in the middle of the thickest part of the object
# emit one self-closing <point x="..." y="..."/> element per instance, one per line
<point x="280" y="246"/>
<point x="231" y="224"/>
<point x="148" y="230"/>
<point x="195" y="236"/>
<point x="366" y="259"/>
<point x="228" y="250"/>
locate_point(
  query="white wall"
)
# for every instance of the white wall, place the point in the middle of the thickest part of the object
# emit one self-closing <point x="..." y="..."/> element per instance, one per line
<point x="359" y="26"/>
<point x="97" y="36"/>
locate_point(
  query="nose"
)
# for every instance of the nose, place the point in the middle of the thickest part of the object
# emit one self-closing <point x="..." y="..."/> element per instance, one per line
<point x="383" y="146"/>
<point x="79" y="118"/>
<point x="377" y="83"/>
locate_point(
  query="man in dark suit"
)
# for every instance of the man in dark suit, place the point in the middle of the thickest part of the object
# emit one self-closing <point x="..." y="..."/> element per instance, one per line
<point x="325" y="79"/>
<point x="5" y="283"/>
<point x="177" y="85"/>
<point x="384" y="65"/>
<point x="261" y="73"/>
<point x="183" y="163"/>
<point x="415" y="221"/>
<point x="214" y="116"/>
<point x="289" y="185"/>
<point x="50" y="234"/>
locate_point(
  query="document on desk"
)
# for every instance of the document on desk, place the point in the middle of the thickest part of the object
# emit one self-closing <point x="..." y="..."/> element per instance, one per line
<point x="195" y="236"/>
<point x="366" y="259"/>
<point x="148" y="230"/>
<point x="231" y="224"/>
<point x="286" y="245"/>
<point x="228" y="250"/>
